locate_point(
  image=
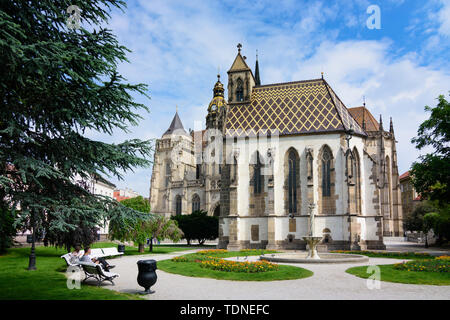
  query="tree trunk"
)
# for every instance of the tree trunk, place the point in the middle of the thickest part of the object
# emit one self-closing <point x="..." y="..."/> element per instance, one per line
<point x="141" y="248"/>
<point x="151" y="245"/>
<point x="32" y="260"/>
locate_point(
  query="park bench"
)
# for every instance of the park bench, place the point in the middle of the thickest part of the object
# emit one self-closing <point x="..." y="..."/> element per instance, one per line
<point x="93" y="270"/>
<point x="95" y="253"/>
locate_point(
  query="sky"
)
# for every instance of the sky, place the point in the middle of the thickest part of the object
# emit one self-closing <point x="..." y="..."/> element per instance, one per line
<point x="178" y="47"/>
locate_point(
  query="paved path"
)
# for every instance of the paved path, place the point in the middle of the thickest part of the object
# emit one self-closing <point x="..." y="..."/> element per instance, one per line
<point x="328" y="282"/>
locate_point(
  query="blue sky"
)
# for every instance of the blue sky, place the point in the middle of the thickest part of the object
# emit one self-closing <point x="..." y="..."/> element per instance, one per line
<point x="178" y="46"/>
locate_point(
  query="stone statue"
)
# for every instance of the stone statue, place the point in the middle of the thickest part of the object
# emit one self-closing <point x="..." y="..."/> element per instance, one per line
<point x="311" y="219"/>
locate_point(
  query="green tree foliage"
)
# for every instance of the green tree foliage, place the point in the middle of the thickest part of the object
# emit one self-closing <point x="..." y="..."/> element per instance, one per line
<point x="439" y="222"/>
<point x="198" y="226"/>
<point x="137" y="203"/>
<point x="56" y="85"/>
<point x="148" y="226"/>
<point x="414" y="221"/>
<point x="7" y="229"/>
<point x="431" y="175"/>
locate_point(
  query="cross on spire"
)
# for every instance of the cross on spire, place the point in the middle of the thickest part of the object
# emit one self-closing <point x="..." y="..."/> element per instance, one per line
<point x="239" y="46"/>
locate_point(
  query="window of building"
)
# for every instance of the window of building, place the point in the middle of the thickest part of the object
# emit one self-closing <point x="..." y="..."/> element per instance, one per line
<point x="292" y="182"/>
<point x="195" y="203"/>
<point x="178" y="205"/>
<point x="240" y="90"/>
<point x="257" y="177"/>
<point x="326" y="172"/>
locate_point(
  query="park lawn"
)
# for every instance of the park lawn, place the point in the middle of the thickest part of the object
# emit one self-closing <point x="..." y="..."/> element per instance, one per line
<point x="389" y="274"/>
<point x="157" y="248"/>
<point x="48" y="282"/>
<point x="193" y="269"/>
<point x="45" y="283"/>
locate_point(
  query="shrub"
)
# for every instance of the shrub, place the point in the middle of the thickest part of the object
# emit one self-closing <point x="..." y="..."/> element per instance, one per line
<point x="198" y="226"/>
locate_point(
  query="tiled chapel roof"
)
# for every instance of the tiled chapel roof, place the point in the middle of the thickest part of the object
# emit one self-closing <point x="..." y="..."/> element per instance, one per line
<point x="301" y="107"/>
<point x="360" y="113"/>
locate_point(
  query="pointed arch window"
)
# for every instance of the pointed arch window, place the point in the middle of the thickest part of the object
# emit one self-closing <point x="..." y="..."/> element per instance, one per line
<point x="240" y="90"/>
<point x="195" y="203"/>
<point x="257" y="177"/>
<point x="326" y="172"/>
<point x="292" y="182"/>
<point x="178" y="205"/>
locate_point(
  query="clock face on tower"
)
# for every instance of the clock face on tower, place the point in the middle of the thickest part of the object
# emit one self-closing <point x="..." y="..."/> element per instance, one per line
<point x="214" y="107"/>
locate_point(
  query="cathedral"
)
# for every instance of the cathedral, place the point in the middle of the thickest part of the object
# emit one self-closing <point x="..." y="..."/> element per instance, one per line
<point x="271" y="155"/>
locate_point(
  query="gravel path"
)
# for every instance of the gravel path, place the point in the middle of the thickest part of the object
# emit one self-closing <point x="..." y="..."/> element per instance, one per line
<point x="328" y="282"/>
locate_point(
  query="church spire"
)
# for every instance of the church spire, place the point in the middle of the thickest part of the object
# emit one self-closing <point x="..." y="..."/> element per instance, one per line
<point x="391" y="127"/>
<point x="364" y="114"/>
<point x="257" y="78"/>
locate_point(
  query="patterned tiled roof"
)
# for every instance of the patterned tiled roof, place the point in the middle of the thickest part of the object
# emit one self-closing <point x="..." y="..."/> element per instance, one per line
<point x="301" y="107"/>
<point x="360" y="113"/>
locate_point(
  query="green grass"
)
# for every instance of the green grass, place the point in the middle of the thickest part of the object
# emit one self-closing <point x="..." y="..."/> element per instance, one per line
<point x="193" y="269"/>
<point x="47" y="282"/>
<point x="157" y="249"/>
<point x="389" y="274"/>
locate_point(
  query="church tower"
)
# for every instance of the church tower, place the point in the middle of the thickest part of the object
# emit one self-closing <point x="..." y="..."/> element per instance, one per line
<point x="240" y="80"/>
<point x="216" y="108"/>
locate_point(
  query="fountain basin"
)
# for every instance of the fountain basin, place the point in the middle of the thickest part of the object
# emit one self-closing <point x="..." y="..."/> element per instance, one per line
<point x="301" y="257"/>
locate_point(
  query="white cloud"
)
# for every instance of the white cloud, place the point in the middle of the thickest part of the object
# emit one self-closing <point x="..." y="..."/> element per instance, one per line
<point x="444" y="18"/>
<point x="178" y="46"/>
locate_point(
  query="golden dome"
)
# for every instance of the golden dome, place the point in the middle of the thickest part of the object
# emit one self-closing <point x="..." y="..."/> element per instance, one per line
<point x="218" y="100"/>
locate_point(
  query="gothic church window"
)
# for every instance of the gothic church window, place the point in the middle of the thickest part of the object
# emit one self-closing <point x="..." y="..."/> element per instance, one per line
<point x="195" y="203"/>
<point x="326" y="172"/>
<point x="292" y="181"/>
<point x="257" y="177"/>
<point x="197" y="171"/>
<point x="178" y="205"/>
<point x="240" y="90"/>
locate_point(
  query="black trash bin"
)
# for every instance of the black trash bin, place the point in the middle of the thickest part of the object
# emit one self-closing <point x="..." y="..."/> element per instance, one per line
<point x="121" y="247"/>
<point x="147" y="274"/>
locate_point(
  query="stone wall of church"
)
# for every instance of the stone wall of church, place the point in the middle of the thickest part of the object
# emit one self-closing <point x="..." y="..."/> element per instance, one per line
<point x="276" y="229"/>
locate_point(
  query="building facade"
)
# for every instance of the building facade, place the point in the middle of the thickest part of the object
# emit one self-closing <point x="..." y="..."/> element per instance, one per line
<point x="270" y="154"/>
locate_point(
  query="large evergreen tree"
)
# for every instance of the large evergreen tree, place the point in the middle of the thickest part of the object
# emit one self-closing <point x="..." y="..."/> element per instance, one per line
<point x="57" y="83"/>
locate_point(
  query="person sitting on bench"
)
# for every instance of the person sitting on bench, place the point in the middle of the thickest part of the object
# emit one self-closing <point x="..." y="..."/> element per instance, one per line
<point x="87" y="258"/>
<point x="75" y="255"/>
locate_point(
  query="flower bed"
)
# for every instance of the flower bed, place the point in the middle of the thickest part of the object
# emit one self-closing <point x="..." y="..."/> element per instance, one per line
<point x="440" y="264"/>
<point x="180" y="259"/>
<point x="234" y="266"/>
<point x="212" y="251"/>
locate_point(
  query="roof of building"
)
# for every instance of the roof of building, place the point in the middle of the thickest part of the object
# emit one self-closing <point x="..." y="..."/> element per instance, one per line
<point x="361" y="114"/>
<point x="176" y="126"/>
<point x="101" y="179"/>
<point x="404" y="176"/>
<point x="301" y="107"/>
<point x="239" y="64"/>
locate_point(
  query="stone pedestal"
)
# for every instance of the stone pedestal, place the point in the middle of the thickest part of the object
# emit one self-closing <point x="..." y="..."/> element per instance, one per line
<point x="312" y="243"/>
